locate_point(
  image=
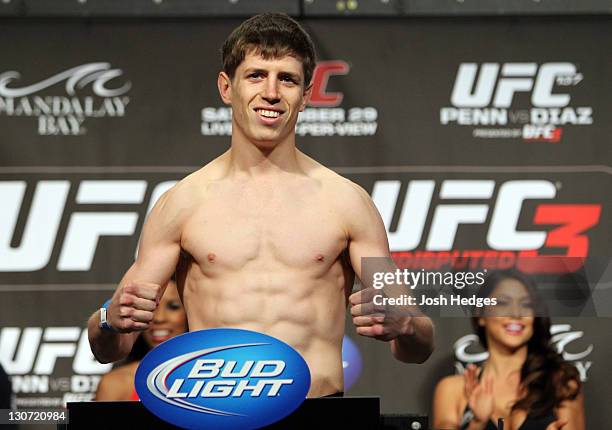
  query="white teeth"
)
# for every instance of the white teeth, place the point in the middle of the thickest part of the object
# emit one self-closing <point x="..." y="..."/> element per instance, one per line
<point x="514" y="327"/>
<point x="160" y="333"/>
<point x="269" y="113"/>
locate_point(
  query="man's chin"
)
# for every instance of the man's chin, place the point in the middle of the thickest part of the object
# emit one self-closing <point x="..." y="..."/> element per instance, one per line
<point x="268" y="141"/>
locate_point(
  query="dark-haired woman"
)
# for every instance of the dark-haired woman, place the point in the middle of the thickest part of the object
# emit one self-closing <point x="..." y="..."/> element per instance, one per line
<point x="169" y="320"/>
<point x="524" y="380"/>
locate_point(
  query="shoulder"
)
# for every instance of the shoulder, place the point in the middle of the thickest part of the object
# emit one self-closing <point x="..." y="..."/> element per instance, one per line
<point x="354" y="207"/>
<point x="349" y="195"/>
<point x="451" y="386"/>
<point x="449" y="402"/>
<point x="353" y="195"/>
<point x="117" y="384"/>
<point x="123" y="373"/>
<point x="183" y="191"/>
<point x="186" y="194"/>
<point x="336" y="187"/>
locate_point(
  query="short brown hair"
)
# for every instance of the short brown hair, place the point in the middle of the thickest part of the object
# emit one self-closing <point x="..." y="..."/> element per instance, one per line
<point x="272" y="35"/>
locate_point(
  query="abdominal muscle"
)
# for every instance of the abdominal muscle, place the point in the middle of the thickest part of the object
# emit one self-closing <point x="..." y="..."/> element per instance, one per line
<point x="304" y="308"/>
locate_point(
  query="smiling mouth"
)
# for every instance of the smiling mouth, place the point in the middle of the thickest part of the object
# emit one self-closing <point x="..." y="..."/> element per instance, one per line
<point x="268" y="114"/>
<point x="160" y="334"/>
<point x="514" y="328"/>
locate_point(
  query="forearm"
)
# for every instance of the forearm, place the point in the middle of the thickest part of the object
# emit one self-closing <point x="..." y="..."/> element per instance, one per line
<point x="108" y="346"/>
<point x="415" y="347"/>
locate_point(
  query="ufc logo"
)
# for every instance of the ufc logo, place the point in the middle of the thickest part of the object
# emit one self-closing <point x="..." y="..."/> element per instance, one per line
<point x="497" y="89"/>
<point x="324" y="70"/>
<point x="37" y="349"/>
<point x="85" y="228"/>
<point x="571" y="221"/>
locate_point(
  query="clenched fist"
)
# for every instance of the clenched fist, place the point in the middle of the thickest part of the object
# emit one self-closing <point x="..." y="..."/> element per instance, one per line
<point x="132" y="306"/>
<point x="380" y="321"/>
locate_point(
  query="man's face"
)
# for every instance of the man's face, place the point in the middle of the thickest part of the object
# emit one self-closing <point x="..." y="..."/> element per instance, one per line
<point x="266" y="97"/>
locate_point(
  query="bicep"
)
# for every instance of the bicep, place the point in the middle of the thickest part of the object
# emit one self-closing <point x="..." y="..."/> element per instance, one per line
<point x="159" y="248"/>
<point x="366" y="231"/>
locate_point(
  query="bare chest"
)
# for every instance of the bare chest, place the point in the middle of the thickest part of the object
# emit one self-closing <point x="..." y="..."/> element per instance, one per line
<point x="265" y="229"/>
<point x="505" y="394"/>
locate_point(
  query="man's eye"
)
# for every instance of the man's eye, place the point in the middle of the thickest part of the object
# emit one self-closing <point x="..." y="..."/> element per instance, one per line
<point x="255" y="75"/>
<point x="288" y="79"/>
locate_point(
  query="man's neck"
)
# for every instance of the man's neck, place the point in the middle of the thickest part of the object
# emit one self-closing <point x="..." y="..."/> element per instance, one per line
<point x="263" y="159"/>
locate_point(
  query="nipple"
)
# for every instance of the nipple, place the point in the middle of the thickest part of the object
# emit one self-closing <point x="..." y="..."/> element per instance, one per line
<point x="211" y="257"/>
<point x="320" y="257"/>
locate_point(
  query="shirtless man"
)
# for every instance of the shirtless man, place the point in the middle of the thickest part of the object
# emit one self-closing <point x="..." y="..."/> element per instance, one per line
<point x="264" y="238"/>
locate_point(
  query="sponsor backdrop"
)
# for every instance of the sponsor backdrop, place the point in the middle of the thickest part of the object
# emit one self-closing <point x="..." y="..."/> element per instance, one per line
<point x="97" y="119"/>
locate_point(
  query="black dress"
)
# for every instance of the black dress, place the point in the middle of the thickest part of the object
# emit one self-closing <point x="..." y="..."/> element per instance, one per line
<point x="530" y="423"/>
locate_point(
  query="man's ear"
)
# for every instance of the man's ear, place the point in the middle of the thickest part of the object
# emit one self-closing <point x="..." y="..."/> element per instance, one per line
<point x="224" y="83"/>
<point x="307" y="94"/>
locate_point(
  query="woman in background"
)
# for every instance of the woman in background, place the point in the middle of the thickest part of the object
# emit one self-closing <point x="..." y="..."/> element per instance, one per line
<point x="524" y="380"/>
<point x="169" y="320"/>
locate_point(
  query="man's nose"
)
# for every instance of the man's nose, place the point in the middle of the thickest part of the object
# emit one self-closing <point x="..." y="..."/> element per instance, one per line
<point x="270" y="92"/>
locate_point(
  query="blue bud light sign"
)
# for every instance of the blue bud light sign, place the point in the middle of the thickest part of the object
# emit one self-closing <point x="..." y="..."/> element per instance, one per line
<point x="352" y="363"/>
<point x="222" y="379"/>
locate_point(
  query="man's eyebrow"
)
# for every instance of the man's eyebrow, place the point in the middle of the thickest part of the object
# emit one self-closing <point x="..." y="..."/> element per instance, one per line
<point x="254" y="69"/>
<point x="292" y="75"/>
